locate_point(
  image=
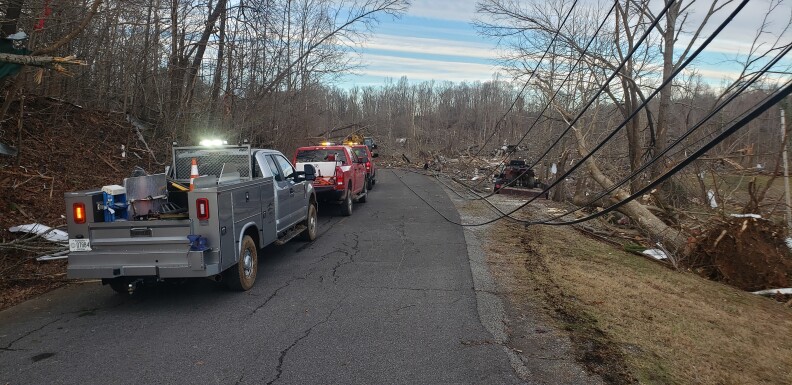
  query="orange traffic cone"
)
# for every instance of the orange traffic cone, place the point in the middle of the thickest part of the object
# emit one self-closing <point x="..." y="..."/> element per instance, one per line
<point x="193" y="172"/>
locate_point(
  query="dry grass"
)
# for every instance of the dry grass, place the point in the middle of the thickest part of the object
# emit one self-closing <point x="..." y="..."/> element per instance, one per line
<point x="668" y="327"/>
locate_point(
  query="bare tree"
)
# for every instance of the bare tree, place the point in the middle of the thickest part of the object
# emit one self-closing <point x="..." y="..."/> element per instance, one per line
<point x="527" y="30"/>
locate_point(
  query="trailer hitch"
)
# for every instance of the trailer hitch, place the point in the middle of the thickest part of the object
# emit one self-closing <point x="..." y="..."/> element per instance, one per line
<point x="134" y="285"/>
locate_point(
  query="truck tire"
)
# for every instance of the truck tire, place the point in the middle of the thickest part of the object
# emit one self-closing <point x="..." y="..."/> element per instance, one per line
<point x="309" y="234"/>
<point x="242" y="275"/>
<point x="363" y="194"/>
<point x="346" y="207"/>
<point x="369" y="183"/>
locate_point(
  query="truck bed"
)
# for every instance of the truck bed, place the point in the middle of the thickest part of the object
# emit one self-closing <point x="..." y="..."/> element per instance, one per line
<point x="162" y="248"/>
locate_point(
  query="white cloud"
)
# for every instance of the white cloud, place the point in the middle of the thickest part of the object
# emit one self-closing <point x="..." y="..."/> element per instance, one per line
<point x="411" y="44"/>
<point x="738" y="36"/>
<point x="426" y="69"/>
<point x="719" y="76"/>
<point x="458" y="10"/>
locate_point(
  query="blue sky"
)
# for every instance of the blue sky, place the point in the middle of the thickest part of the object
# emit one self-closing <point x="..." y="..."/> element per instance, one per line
<point x="435" y="40"/>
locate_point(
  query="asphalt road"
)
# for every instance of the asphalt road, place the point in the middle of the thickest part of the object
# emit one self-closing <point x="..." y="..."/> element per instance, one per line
<point x="383" y="296"/>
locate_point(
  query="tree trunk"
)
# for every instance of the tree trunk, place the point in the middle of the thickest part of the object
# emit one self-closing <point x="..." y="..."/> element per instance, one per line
<point x="672" y="239"/>
<point x="199" y="53"/>
<point x="560" y="190"/>
<point x="218" y="75"/>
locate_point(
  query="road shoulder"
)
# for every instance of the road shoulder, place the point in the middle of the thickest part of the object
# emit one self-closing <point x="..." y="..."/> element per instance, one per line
<point x="539" y="352"/>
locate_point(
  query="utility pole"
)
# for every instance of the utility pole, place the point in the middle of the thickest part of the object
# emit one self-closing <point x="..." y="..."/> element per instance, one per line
<point x="786" y="173"/>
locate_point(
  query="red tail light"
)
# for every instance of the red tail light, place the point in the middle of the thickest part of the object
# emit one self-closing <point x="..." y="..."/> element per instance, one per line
<point x="202" y="208"/>
<point x="368" y="166"/>
<point x="78" y="211"/>
<point x="339" y="179"/>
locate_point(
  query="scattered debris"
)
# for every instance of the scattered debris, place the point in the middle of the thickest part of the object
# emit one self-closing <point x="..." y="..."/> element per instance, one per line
<point x="711" y="196"/>
<point x="756" y="216"/>
<point x="656" y="254"/>
<point x="46" y="232"/>
<point x="8" y="150"/>
<point x="786" y="291"/>
<point x="748" y="253"/>
<point x="51" y="257"/>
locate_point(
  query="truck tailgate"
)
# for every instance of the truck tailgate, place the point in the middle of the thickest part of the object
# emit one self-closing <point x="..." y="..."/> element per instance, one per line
<point x="141" y="248"/>
<point x="323" y="169"/>
<point x="140" y="236"/>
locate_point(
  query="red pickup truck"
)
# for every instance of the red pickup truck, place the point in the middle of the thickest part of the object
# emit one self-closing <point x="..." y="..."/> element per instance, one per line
<point x="340" y="174"/>
<point x="363" y="151"/>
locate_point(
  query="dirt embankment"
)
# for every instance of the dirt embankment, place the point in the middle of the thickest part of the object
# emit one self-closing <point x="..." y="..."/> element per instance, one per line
<point x="63" y="148"/>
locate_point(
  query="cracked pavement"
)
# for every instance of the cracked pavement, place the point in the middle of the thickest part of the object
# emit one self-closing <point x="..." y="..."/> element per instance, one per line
<point x="383" y="296"/>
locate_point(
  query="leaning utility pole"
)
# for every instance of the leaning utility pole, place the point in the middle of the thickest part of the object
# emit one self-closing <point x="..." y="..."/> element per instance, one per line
<point x="786" y="173"/>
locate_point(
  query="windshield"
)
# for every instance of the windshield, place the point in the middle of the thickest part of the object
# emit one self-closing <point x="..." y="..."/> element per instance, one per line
<point x="361" y="153"/>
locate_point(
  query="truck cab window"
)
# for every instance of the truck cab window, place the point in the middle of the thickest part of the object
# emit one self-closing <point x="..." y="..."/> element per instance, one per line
<point x="274" y="168"/>
<point x="285" y="165"/>
<point x="257" y="172"/>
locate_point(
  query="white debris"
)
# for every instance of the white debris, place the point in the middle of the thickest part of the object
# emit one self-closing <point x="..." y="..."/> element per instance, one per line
<point x="711" y="197"/>
<point x="656" y="254"/>
<point x="757" y="216"/>
<point x="787" y="291"/>
<point x="59" y="255"/>
<point x="21" y="35"/>
<point x="46" y="232"/>
<point x="789" y="242"/>
<point x="475" y="178"/>
<point x="554" y="169"/>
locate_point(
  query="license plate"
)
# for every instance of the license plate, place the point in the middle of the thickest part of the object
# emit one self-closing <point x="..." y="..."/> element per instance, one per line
<point x="79" y="245"/>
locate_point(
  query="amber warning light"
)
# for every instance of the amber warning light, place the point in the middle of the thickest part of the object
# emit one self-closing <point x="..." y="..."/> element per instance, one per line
<point x="78" y="209"/>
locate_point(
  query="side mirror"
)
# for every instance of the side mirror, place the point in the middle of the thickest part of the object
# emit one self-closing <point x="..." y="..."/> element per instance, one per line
<point x="310" y="172"/>
<point x="375" y="155"/>
<point x="374" y="146"/>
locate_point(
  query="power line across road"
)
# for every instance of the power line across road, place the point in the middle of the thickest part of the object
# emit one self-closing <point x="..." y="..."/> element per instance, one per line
<point x="383" y="296"/>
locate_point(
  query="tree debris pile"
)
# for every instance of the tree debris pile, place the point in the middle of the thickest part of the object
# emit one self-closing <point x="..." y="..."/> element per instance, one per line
<point x="64" y="148"/>
<point x="748" y="253"/>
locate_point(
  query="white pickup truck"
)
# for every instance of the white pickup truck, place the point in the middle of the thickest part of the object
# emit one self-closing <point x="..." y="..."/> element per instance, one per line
<point x="156" y="228"/>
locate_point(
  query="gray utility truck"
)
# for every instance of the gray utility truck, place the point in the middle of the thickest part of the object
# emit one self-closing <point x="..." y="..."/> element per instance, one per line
<point x="155" y="228"/>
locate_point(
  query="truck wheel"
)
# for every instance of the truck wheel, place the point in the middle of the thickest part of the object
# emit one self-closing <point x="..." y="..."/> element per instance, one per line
<point x="310" y="224"/>
<point x="346" y="207"/>
<point x="369" y="183"/>
<point x="531" y="182"/>
<point x="242" y="276"/>
<point x="363" y="194"/>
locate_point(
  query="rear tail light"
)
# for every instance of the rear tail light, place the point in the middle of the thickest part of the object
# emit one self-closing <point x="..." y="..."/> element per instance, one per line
<point x="202" y="208"/>
<point x="339" y="178"/>
<point x="368" y="166"/>
<point x="78" y="211"/>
